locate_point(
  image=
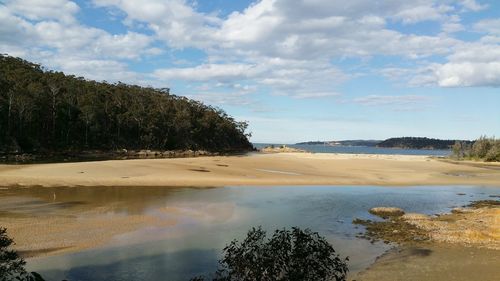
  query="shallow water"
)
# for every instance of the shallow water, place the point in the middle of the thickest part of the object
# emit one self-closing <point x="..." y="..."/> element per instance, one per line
<point x="208" y="219"/>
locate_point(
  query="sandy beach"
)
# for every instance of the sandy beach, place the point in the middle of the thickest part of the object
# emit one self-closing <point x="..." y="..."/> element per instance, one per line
<point x="256" y="169"/>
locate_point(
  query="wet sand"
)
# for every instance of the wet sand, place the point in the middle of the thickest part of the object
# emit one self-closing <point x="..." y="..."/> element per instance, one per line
<point x="435" y="262"/>
<point x="256" y="169"/>
<point x="461" y="245"/>
<point x="59" y="220"/>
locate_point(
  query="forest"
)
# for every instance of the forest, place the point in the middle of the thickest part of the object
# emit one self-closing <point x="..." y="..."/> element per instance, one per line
<point x="43" y="111"/>
<point x="418" y="143"/>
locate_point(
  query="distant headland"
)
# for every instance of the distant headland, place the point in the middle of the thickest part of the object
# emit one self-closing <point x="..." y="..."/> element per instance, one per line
<point x="399" y="142"/>
<point x="342" y="143"/>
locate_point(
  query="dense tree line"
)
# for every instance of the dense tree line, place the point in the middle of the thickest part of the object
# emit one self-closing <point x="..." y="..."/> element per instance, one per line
<point x="418" y="143"/>
<point x="485" y="149"/>
<point x="43" y="111"/>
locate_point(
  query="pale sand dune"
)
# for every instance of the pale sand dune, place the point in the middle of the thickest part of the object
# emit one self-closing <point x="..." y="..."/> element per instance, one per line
<point x="255" y="169"/>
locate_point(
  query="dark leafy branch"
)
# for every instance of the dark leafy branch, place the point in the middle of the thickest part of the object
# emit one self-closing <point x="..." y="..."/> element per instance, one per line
<point x="11" y="264"/>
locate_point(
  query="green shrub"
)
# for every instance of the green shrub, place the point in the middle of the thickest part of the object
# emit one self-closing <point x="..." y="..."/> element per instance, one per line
<point x="484" y="148"/>
<point x="294" y="254"/>
<point x="494" y="152"/>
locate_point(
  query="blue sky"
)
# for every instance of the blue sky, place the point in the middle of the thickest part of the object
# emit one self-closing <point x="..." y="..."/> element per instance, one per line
<point x="296" y="70"/>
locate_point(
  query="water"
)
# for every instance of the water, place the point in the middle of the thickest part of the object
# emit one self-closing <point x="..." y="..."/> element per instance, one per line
<point x="361" y="149"/>
<point x="208" y="219"/>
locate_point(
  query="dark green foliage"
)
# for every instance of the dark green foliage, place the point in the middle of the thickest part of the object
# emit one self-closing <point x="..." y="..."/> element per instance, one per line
<point x="418" y="143"/>
<point x="11" y="265"/>
<point x="44" y="111"/>
<point x="294" y="254"/>
<point x="485" y="149"/>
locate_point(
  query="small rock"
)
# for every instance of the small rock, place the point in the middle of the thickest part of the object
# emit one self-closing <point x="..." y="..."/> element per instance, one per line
<point x="385" y="212"/>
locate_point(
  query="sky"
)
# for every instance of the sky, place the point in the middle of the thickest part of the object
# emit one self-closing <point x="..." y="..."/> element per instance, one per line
<point x="296" y="70"/>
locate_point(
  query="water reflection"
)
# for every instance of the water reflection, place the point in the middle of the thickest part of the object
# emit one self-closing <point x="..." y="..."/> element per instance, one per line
<point x="202" y="221"/>
<point x="131" y="200"/>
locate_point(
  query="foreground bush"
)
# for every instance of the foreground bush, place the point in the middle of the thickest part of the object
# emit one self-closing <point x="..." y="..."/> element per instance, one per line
<point x="294" y="254"/>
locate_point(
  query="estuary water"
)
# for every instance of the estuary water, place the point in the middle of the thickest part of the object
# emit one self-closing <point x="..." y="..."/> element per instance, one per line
<point x="208" y="219"/>
<point x="319" y="148"/>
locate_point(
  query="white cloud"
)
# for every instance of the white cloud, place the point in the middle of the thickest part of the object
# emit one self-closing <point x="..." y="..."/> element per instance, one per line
<point x="473" y="5"/>
<point x="470" y="65"/>
<point x="175" y="21"/>
<point x="220" y="99"/>
<point x="315" y="95"/>
<point x="491" y="26"/>
<point x="378" y="100"/>
<point x="476" y="52"/>
<point x="14" y="31"/>
<point x="468" y="74"/>
<point x="452" y="24"/>
<point x="44" y="9"/>
<point x="285" y="45"/>
<point x="209" y="72"/>
<point x="311" y="32"/>
<point x="422" y="13"/>
<point x="98" y="70"/>
<point x="130" y="45"/>
<point x="48" y="33"/>
<point x="293" y="29"/>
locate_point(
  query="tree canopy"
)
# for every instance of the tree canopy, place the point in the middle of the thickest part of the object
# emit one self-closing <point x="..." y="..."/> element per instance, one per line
<point x="44" y="110"/>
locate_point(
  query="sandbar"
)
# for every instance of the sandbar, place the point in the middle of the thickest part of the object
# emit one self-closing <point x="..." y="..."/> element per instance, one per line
<point x="257" y="169"/>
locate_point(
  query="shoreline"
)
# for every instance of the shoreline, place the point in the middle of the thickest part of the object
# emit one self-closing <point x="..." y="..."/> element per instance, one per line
<point x="100" y="155"/>
<point x="463" y="244"/>
<point x="255" y="169"/>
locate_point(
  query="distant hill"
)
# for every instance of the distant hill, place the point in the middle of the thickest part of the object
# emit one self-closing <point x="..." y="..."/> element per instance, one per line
<point x="359" y="142"/>
<point x="402" y="142"/>
<point x="342" y="143"/>
<point x="45" y="111"/>
<point x="312" y="143"/>
<point x="418" y="143"/>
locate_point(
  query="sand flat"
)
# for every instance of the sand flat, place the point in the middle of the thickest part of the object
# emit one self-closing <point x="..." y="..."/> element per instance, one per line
<point x="296" y="169"/>
<point x="434" y="262"/>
